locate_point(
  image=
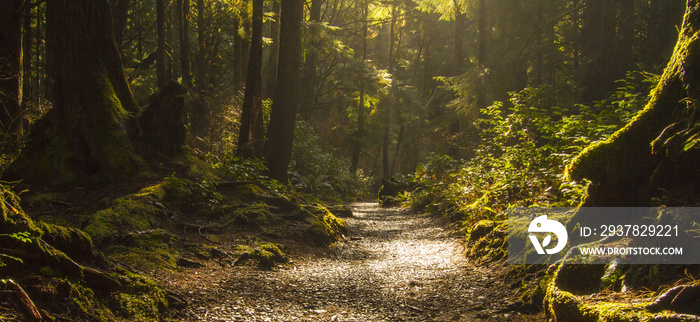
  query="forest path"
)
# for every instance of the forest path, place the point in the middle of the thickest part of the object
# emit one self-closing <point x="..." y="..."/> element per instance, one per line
<point x="396" y="266"/>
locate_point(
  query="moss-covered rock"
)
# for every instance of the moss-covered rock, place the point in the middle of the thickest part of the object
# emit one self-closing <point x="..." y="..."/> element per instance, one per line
<point x="325" y="227"/>
<point x="488" y="241"/>
<point x="255" y="214"/>
<point x="266" y="256"/>
<point x="137" y="212"/>
<point x="141" y="300"/>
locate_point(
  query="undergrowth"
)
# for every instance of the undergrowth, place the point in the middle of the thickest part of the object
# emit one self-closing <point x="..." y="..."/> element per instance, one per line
<point x="525" y="144"/>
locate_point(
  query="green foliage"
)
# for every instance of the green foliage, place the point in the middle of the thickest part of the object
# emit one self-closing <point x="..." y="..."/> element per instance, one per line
<point x="313" y="170"/>
<point x="242" y="169"/>
<point x="525" y="145"/>
<point x="203" y="191"/>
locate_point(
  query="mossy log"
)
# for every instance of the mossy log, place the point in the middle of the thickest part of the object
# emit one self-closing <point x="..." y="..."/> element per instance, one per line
<point x="630" y="167"/>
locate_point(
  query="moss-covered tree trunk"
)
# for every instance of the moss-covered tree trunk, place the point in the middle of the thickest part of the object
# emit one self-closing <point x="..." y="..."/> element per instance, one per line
<point x="654" y="156"/>
<point x="84" y="137"/>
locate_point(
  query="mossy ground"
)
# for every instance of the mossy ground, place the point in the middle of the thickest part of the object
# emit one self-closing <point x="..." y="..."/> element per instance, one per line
<point x="585" y="293"/>
<point x="172" y="224"/>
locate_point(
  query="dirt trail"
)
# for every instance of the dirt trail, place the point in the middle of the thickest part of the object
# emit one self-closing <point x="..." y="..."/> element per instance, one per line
<point x="396" y="266"/>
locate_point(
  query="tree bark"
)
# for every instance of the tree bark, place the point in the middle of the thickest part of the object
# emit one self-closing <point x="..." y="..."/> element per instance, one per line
<point x="361" y="104"/>
<point x="252" y="100"/>
<point x="280" y="133"/>
<point x="598" y="42"/>
<point x="183" y="19"/>
<point x="120" y="15"/>
<point x="27" y="41"/>
<point x="274" y="50"/>
<point x="650" y="156"/>
<point x="481" y="86"/>
<point x="308" y="98"/>
<point x="11" y="66"/>
<point x="162" y="56"/>
<point x="83" y="138"/>
<point x="457" y="47"/>
<point x="237" y="55"/>
<point x="202" y="68"/>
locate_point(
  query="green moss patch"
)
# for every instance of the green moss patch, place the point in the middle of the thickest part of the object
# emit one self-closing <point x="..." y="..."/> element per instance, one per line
<point x="488" y="241"/>
<point x="266" y="256"/>
<point x="325" y="227"/>
<point x="137" y="212"/>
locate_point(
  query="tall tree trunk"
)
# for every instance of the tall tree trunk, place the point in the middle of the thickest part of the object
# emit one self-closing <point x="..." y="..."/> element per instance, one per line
<point x="481" y="86"/>
<point x="397" y="149"/>
<point x="598" y="45"/>
<point x="625" y="37"/>
<point x="162" y="56"/>
<point x="271" y="72"/>
<point x="202" y="68"/>
<point x="237" y="55"/>
<point x="252" y="100"/>
<point x="280" y="133"/>
<point x="11" y="65"/>
<point x="457" y="47"/>
<point x="120" y="15"/>
<point x="200" y="120"/>
<point x="183" y="19"/>
<point x="83" y="138"/>
<point x="359" y="137"/>
<point x="39" y="53"/>
<point x="575" y="38"/>
<point x="308" y="97"/>
<point x="27" y="41"/>
<point x="386" y="167"/>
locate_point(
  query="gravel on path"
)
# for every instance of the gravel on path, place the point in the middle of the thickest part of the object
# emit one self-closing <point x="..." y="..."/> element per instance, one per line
<point x="394" y="266"/>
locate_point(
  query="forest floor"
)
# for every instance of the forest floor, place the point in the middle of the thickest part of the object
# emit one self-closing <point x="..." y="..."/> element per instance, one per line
<point x="395" y="265"/>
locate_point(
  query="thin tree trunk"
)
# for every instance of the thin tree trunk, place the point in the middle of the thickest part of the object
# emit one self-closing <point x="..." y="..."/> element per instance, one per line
<point x="11" y="66"/>
<point x="481" y="86"/>
<point x="308" y="98"/>
<point x="386" y="169"/>
<point x="274" y="50"/>
<point x="202" y="72"/>
<point x="27" y="40"/>
<point x="162" y="56"/>
<point x="280" y="133"/>
<point x="396" y="150"/>
<point x="185" y="69"/>
<point x="237" y="55"/>
<point x="457" y="47"/>
<point x="252" y="101"/>
<point x="120" y="14"/>
<point x="361" y="105"/>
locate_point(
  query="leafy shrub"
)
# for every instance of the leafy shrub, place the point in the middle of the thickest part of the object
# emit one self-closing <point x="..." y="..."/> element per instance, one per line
<point x="322" y="173"/>
<point x="520" y="161"/>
